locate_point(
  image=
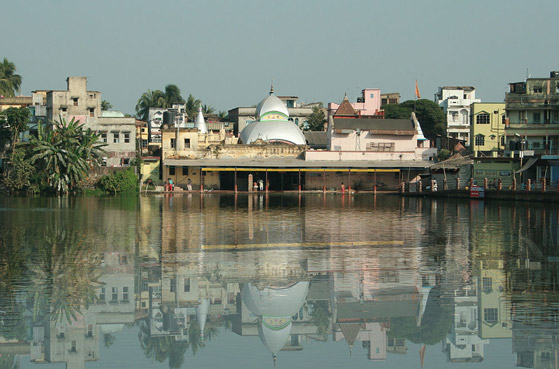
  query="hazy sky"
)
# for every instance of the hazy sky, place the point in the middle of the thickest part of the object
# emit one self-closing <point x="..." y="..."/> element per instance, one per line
<point x="226" y="52"/>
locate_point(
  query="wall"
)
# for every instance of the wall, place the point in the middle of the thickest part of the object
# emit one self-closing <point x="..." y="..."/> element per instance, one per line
<point x="418" y="154"/>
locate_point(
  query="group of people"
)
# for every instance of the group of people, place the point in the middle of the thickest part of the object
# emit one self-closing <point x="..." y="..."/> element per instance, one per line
<point x="170" y="186"/>
<point x="258" y="185"/>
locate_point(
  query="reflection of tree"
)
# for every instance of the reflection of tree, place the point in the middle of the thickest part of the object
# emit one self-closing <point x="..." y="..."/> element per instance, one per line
<point x="13" y="257"/>
<point x="9" y="361"/>
<point x="162" y="348"/>
<point x="320" y="316"/>
<point x="108" y="339"/>
<point x="64" y="274"/>
<point x="195" y="337"/>
<point x="435" y="323"/>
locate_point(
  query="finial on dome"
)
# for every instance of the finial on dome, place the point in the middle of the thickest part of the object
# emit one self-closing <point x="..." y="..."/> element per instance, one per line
<point x="345" y="95"/>
<point x="272" y="88"/>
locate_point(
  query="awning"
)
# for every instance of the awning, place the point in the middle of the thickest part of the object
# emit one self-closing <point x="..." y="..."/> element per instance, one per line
<point x="526" y="166"/>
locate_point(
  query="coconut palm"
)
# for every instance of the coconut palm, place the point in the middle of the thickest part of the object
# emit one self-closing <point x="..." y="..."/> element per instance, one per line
<point x="64" y="154"/>
<point x="9" y="81"/>
<point x="150" y="99"/>
<point x="207" y="110"/>
<point x="161" y="348"/>
<point x="192" y="105"/>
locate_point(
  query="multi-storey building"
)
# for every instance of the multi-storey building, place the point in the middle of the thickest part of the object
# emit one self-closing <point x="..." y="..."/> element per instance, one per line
<point x="77" y="103"/>
<point x="532" y="127"/>
<point x="487" y="128"/>
<point x="456" y="101"/>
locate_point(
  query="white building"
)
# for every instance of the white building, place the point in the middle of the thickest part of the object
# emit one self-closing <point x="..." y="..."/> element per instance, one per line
<point x="456" y="101"/>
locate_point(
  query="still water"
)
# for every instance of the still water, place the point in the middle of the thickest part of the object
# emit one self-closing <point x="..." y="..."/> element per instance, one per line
<point x="286" y="281"/>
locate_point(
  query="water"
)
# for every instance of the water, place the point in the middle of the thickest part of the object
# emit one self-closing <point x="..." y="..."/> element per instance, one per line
<point x="257" y="280"/>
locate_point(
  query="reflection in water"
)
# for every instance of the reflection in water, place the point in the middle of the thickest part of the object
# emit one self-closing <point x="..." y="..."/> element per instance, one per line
<point x="379" y="275"/>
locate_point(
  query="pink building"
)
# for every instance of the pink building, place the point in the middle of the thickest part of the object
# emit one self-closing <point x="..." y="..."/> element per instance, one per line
<point x="367" y="104"/>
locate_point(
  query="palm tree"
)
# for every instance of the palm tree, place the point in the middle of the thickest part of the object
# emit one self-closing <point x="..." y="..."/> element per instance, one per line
<point x="64" y="154"/>
<point x="9" y="81"/>
<point x="105" y="105"/>
<point x="150" y="99"/>
<point x="192" y="105"/>
<point x="173" y="95"/>
<point x="161" y="348"/>
<point x="207" y="110"/>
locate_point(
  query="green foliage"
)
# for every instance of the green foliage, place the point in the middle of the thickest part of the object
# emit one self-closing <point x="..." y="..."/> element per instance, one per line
<point x="443" y="154"/>
<point x="316" y="119"/>
<point x="397" y="111"/>
<point x="430" y="116"/>
<point x="119" y="182"/>
<point x="158" y="99"/>
<point x="64" y="154"/>
<point x="105" y="105"/>
<point x="320" y="316"/>
<point x="192" y="105"/>
<point x="18" y="176"/>
<point x="9" y="81"/>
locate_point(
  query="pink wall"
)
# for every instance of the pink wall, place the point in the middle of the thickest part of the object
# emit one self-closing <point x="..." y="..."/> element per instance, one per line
<point x="371" y="106"/>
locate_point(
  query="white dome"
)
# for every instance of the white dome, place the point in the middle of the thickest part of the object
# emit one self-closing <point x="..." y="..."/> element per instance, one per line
<point x="274" y="302"/>
<point x="273" y="131"/>
<point x="272" y="104"/>
<point x="274" y="332"/>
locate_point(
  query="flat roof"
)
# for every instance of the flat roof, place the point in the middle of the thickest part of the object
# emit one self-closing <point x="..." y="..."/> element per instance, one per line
<point x="279" y="162"/>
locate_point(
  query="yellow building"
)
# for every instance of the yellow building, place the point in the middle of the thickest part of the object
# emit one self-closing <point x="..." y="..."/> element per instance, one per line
<point x="487" y="128"/>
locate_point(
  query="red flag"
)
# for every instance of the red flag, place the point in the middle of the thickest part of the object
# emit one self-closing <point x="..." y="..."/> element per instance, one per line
<point x="417" y="90"/>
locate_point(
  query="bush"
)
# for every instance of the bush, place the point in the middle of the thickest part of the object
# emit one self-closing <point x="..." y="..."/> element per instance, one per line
<point x="120" y="182"/>
<point x="443" y="155"/>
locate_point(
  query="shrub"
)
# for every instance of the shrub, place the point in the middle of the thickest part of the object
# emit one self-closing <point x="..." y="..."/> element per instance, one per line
<point x="120" y="182"/>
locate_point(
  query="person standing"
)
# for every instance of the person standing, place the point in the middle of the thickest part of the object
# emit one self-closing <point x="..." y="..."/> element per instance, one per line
<point x="189" y="185"/>
<point x="260" y="184"/>
<point x="171" y="187"/>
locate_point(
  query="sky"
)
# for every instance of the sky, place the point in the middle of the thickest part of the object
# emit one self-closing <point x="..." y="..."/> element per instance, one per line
<point x="227" y="53"/>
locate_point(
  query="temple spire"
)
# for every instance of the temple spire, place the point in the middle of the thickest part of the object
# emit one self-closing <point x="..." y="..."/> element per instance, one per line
<point x="272" y="88"/>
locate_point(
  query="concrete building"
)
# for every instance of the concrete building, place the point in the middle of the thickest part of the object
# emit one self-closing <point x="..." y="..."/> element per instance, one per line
<point x="76" y="102"/>
<point x="368" y="104"/>
<point x="487" y="128"/>
<point x="532" y="126"/>
<point x="456" y="101"/>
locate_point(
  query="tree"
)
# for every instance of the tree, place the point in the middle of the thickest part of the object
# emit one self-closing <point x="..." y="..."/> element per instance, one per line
<point x="149" y="99"/>
<point x="192" y="105"/>
<point x="316" y="119"/>
<point x="430" y="116"/>
<point x="105" y="105"/>
<point x="9" y="81"/>
<point x="173" y="95"/>
<point x="207" y="110"/>
<point x="16" y="120"/>
<point x="396" y="111"/>
<point x="64" y="154"/>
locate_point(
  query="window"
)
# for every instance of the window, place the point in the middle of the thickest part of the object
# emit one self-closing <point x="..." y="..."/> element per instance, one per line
<point x="104" y="137"/>
<point x="537" y="117"/>
<point x="537" y="90"/>
<point x="187" y="143"/>
<point x="145" y="285"/>
<point x="487" y="284"/>
<point x="372" y="96"/>
<point x="490" y="315"/>
<point x="91" y="112"/>
<point x="73" y="349"/>
<point x="482" y="118"/>
<point x="125" y="293"/>
<point x="63" y="109"/>
<point x="393" y="101"/>
<point x="171" y="171"/>
<point x="173" y="285"/>
<point x="556" y="116"/>
<point x="116" y="137"/>
<point x="114" y="296"/>
<point x="380" y="146"/>
<point x="480" y="140"/>
<point x="90" y="330"/>
<point x="102" y="294"/>
<point x="184" y="171"/>
<point x="187" y="285"/>
<point x="126" y="137"/>
<point x="172" y="143"/>
<point x="384" y="101"/>
<point x="75" y="101"/>
<point x="503" y="119"/>
<point x="126" y="161"/>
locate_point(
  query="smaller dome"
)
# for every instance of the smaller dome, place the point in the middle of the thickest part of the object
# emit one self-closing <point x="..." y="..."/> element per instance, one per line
<point x="271" y="108"/>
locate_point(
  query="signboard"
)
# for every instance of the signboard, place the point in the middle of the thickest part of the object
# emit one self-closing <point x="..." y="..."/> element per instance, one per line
<point x="477" y="192"/>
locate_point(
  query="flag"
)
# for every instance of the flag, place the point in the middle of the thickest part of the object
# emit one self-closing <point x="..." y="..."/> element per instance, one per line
<point x="417" y="90"/>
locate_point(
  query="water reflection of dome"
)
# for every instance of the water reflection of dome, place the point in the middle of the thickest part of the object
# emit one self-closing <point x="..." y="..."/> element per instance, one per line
<point x="274" y="306"/>
<point x="269" y="301"/>
<point x="273" y="124"/>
